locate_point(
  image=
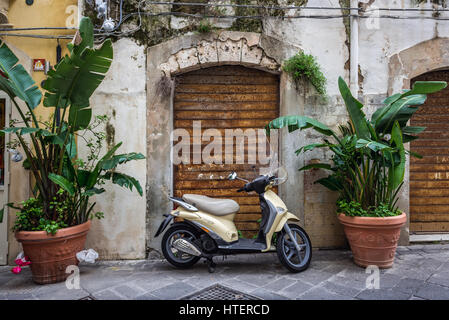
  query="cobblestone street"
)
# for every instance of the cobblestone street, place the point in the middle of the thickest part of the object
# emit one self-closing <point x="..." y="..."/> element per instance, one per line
<point x="419" y="272"/>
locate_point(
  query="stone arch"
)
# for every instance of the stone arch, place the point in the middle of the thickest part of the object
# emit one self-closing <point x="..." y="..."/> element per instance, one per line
<point x="423" y="57"/>
<point x="191" y="52"/>
<point x="226" y="48"/>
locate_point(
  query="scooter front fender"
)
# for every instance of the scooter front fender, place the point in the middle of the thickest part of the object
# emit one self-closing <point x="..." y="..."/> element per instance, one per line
<point x="284" y="219"/>
<point x="164" y="224"/>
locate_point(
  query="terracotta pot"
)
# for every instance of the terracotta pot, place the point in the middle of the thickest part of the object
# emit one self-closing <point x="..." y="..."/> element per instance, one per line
<point x="51" y="254"/>
<point x="373" y="240"/>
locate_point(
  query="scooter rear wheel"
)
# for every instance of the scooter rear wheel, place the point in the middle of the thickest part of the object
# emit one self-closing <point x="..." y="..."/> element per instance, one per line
<point x="176" y="258"/>
<point x="287" y="253"/>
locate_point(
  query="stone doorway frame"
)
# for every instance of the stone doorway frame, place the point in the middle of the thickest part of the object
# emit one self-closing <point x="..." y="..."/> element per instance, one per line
<point x="427" y="56"/>
<point x="194" y="51"/>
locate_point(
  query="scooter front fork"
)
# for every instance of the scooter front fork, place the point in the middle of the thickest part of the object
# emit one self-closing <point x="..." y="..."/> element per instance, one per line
<point x="292" y="238"/>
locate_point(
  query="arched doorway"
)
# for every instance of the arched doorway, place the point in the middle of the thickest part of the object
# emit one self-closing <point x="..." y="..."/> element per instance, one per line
<point x="429" y="176"/>
<point x="225" y="100"/>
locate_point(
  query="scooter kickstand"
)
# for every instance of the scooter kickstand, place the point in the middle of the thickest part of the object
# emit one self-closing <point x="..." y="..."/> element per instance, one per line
<point x="210" y="265"/>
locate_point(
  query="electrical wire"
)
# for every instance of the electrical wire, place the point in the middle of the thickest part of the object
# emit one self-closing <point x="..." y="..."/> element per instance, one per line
<point x="100" y="34"/>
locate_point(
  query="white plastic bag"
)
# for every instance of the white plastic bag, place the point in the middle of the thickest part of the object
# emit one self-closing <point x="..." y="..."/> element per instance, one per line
<point x="87" y="255"/>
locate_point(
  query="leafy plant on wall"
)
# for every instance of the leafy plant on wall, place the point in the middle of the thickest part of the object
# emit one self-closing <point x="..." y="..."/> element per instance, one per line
<point x="304" y="66"/>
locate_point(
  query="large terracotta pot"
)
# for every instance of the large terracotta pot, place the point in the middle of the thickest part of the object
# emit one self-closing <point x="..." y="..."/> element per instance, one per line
<point x="51" y="254"/>
<point x="373" y="240"/>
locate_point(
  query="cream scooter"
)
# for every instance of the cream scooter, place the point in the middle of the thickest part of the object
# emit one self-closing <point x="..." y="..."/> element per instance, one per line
<point x="207" y="228"/>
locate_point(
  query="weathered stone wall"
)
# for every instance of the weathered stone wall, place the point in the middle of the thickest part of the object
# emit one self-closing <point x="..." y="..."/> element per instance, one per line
<point x="382" y="52"/>
<point x="121" y="96"/>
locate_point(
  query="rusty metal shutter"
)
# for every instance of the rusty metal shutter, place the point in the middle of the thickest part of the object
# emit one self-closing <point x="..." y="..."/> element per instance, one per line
<point x="225" y="97"/>
<point x="429" y="176"/>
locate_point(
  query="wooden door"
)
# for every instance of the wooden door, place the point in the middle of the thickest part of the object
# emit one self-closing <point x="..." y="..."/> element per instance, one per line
<point x="429" y="176"/>
<point x="225" y="97"/>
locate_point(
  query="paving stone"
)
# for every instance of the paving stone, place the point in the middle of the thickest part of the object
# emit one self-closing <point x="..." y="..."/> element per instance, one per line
<point x="62" y="294"/>
<point x="416" y="298"/>
<point x="127" y="291"/>
<point x="147" y="296"/>
<point x="267" y="295"/>
<point x="107" y="294"/>
<point x="383" y="294"/>
<point x="150" y="283"/>
<point x="441" y="279"/>
<point x="279" y="284"/>
<point x="17" y="296"/>
<point x="402" y="249"/>
<point x="311" y="276"/>
<point x="418" y="273"/>
<point x="433" y="292"/>
<point x="335" y="268"/>
<point x="349" y="282"/>
<point x="99" y="278"/>
<point x="174" y="291"/>
<point x="341" y="289"/>
<point x="320" y="293"/>
<point x="295" y="290"/>
<point x="389" y="280"/>
<point x="408" y="285"/>
<point x="410" y="272"/>
<point x="430" y="264"/>
<point x="204" y="281"/>
<point x="239" y="285"/>
<point x="258" y="280"/>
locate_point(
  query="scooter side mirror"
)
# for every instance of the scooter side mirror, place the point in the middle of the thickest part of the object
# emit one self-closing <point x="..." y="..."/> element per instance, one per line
<point x="232" y="175"/>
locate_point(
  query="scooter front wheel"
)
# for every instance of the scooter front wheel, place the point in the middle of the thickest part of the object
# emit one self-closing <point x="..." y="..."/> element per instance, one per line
<point x="288" y="253"/>
<point x="177" y="258"/>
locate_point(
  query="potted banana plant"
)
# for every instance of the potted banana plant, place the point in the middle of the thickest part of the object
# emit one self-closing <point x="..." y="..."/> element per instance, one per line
<point x="52" y="225"/>
<point x="367" y="167"/>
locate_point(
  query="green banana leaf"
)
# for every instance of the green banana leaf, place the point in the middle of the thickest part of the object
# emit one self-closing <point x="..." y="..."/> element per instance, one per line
<point x="63" y="183"/>
<point x="396" y="173"/>
<point x="15" y="81"/>
<point x="298" y="122"/>
<point x="76" y="77"/>
<point x="123" y="180"/>
<point x="384" y="121"/>
<point x="354" y="108"/>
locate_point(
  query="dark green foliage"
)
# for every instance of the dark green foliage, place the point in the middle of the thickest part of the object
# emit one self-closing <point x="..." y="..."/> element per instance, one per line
<point x="31" y="215"/>
<point x="304" y="66"/>
<point x="368" y="156"/>
<point x="63" y="181"/>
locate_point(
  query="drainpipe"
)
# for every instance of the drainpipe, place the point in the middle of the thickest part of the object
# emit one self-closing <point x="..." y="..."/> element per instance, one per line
<point x="354" y="52"/>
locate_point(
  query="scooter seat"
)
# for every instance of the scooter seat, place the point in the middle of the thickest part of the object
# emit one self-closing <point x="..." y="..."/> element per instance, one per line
<point x="217" y="207"/>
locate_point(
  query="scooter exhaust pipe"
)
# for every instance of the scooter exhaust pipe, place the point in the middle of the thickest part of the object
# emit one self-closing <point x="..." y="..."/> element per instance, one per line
<point x="186" y="246"/>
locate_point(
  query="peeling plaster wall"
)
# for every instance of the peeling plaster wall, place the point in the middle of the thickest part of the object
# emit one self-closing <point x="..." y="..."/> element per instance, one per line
<point x="129" y="218"/>
<point x="122" y="96"/>
<point x="324" y="39"/>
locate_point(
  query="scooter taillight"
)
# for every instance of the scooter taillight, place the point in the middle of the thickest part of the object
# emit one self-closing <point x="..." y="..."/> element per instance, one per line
<point x="175" y="206"/>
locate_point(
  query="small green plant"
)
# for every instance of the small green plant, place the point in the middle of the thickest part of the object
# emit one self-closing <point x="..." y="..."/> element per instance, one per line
<point x="355" y="209"/>
<point x="204" y="27"/>
<point x="31" y="216"/>
<point x="305" y="66"/>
